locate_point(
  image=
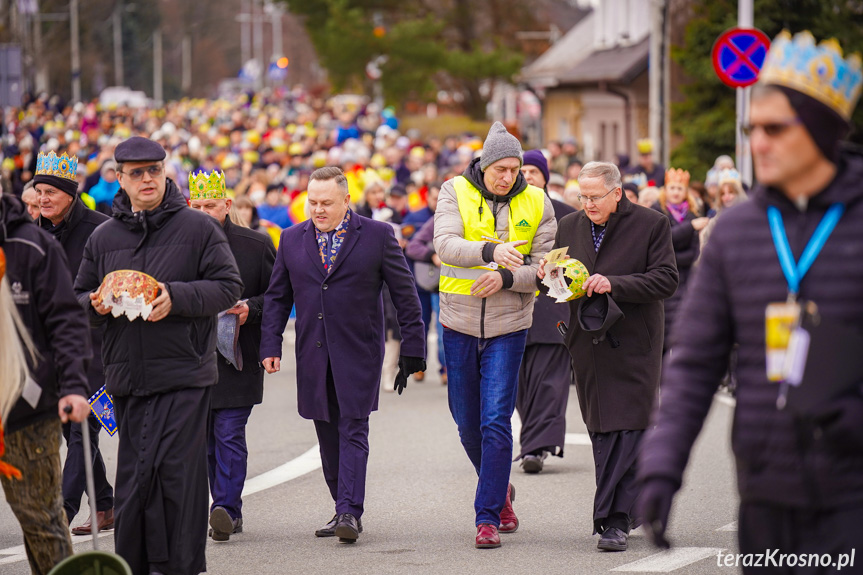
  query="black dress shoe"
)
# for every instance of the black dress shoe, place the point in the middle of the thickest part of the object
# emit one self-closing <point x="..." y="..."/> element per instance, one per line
<point x="329" y="530"/>
<point x="347" y="528"/>
<point x="222" y="526"/>
<point x="612" y="539"/>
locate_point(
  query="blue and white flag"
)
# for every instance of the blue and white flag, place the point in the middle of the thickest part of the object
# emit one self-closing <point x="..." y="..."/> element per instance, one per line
<point x="103" y="408"/>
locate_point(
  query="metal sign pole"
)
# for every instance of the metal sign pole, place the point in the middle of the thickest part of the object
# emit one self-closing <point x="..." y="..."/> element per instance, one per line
<point x="745" y="19"/>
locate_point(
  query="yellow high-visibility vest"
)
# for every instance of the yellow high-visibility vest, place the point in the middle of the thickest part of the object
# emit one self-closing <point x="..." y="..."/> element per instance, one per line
<point x="525" y="214"/>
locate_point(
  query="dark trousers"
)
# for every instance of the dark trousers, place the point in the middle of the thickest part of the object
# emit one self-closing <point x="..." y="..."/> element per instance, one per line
<point x="543" y="392"/>
<point x="74" y="474"/>
<point x="35" y="498"/>
<point x="344" y="447"/>
<point x="160" y="516"/>
<point x="805" y="533"/>
<point x="227" y="457"/>
<point x="615" y="454"/>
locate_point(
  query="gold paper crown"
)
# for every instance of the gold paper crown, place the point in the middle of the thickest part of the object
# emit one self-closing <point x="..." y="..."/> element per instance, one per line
<point x="51" y="164"/>
<point x="817" y="71"/>
<point x="645" y="146"/>
<point x="207" y="187"/>
<point x="677" y="176"/>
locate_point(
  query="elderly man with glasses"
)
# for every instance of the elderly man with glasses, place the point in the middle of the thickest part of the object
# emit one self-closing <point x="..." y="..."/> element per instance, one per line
<point x="160" y="370"/>
<point x="628" y="251"/>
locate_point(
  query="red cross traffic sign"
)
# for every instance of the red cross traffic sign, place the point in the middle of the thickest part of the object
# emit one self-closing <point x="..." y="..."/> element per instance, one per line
<point x="738" y="56"/>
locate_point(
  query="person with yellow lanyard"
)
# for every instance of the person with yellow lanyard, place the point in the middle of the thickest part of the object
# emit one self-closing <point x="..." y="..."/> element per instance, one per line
<point x="491" y="230"/>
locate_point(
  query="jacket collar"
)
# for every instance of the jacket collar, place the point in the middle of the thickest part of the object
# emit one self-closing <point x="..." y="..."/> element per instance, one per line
<point x="310" y="242"/>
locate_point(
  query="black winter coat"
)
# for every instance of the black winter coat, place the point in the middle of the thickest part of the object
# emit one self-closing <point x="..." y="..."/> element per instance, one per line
<point x="546" y="313"/>
<point x="41" y="287"/>
<point x="73" y="234"/>
<point x="687" y="246"/>
<point x="617" y="386"/>
<point x="255" y="255"/>
<point x="187" y="251"/>
<point x="737" y="277"/>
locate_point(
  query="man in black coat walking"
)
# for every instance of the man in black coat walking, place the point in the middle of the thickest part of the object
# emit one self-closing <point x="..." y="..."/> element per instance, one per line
<point x="628" y="251"/>
<point x="64" y="215"/>
<point x="39" y="287"/>
<point x="799" y="463"/>
<point x="160" y="370"/>
<point x="546" y="368"/>
<point x="241" y="377"/>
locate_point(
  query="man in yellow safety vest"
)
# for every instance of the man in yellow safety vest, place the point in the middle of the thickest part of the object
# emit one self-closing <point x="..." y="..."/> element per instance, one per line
<point x="491" y="230"/>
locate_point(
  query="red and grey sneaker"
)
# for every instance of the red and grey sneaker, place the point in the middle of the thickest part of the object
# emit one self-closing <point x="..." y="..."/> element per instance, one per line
<point x="487" y="536"/>
<point x="508" y="520"/>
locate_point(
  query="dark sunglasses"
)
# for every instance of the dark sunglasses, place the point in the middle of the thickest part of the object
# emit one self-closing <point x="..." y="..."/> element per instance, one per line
<point x="771" y="129"/>
<point x="137" y="174"/>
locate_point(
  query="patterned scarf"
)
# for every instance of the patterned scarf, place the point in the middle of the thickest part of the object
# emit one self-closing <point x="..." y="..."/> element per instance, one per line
<point x="338" y="236"/>
<point x="678" y="211"/>
<point x="597" y="238"/>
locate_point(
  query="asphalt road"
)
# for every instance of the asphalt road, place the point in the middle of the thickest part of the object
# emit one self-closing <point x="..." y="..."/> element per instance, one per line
<point x="419" y="506"/>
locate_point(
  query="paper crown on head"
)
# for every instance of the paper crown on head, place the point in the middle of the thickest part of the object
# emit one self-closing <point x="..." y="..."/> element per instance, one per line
<point x="51" y="164"/>
<point x="729" y="176"/>
<point x="645" y="146"/>
<point x="817" y="71"/>
<point x="203" y="186"/>
<point x="677" y="176"/>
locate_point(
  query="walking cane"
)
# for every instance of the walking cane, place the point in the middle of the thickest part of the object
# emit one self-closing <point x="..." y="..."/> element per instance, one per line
<point x="93" y="562"/>
<point x="88" y="472"/>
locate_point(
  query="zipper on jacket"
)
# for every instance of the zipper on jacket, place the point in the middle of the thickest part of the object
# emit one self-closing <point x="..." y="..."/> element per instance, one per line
<point x="482" y="321"/>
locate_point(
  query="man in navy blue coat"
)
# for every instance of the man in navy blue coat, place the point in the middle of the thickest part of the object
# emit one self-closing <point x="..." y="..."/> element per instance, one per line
<point x="333" y="268"/>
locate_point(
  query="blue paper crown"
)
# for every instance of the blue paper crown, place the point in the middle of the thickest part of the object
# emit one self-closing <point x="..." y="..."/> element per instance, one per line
<point x="817" y="71"/>
<point x="51" y="164"/>
<point x="729" y="175"/>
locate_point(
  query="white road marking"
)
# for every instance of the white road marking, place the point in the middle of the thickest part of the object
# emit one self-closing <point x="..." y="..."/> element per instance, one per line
<point x="670" y="560"/>
<point x="730" y="527"/>
<point x="305" y="463"/>
<point x="297" y="467"/>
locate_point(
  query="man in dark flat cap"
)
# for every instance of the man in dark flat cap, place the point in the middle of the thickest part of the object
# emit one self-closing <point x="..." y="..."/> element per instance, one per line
<point x="159" y="370"/>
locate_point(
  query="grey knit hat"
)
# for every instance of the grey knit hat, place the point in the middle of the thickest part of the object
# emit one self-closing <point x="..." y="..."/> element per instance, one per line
<point x="499" y="144"/>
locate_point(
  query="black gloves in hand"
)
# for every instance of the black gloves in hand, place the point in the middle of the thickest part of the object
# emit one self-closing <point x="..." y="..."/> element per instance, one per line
<point x="655" y="506"/>
<point x="407" y="366"/>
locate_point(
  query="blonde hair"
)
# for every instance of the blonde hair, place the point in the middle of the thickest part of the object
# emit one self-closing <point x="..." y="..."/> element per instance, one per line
<point x="690" y="197"/>
<point x="15" y="346"/>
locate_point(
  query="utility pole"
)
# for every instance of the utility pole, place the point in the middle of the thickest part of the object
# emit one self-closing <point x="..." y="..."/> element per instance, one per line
<point x="276" y="20"/>
<point x="655" y="72"/>
<point x="186" y="84"/>
<point x="118" y="43"/>
<point x="157" y="65"/>
<point x="259" y="42"/>
<point x="745" y="19"/>
<point x="76" y="51"/>
<point x="245" y="24"/>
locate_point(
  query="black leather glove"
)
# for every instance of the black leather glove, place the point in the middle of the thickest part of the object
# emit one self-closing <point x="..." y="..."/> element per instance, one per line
<point x="407" y="366"/>
<point x="654" y="505"/>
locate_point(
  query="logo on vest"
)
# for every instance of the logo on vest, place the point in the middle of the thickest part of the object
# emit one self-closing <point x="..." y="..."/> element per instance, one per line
<point x="19" y="296"/>
<point x="523" y="224"/>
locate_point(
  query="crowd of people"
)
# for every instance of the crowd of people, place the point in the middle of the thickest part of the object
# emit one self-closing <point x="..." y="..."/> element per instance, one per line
<point x="250" y="212"/>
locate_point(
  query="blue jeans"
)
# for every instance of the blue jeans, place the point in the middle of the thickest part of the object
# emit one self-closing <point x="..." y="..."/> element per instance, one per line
<point x="435" y="304"/>
<point x="483" y="382"/>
